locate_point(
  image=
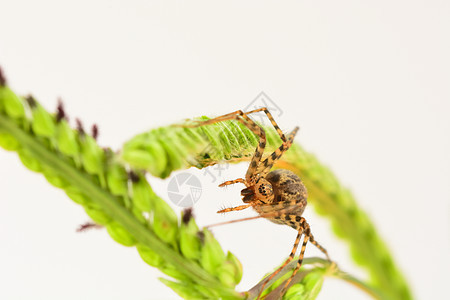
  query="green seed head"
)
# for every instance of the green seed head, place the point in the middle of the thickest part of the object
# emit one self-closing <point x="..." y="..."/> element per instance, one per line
<point x="165" y="221"/>
<point x="189" y="241"/>
<point x="43" y="123"/>
<point x="12" y="104"/>
<point x="120" y="234"/>
<point x="212" y="253"/>
<point x="66" y="139"/>
<point x="142" y="193"/>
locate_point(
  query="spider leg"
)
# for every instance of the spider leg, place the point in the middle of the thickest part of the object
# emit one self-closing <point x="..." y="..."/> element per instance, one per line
<point x="273" y="214"/>
<point x="271" y="119"/>
<point x="233" y="221"/>
<point x="267" y="164"/>
<point x="250" y="124"/>
<point x="299" y="264"/>
<point x="288" y="260"/>
<point x="239" y="180"/>
<point x="240" y="207"/>
<point x="230" y="116"/>
<point x="303" y="228"/>
<point x="242" y="117"/>
<point x="315" y="243"/>
<point x="307" y="238"/>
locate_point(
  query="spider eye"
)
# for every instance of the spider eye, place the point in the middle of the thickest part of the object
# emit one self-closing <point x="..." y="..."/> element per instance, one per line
<point x="265" y="190"/>
<point x="262" y="189"/>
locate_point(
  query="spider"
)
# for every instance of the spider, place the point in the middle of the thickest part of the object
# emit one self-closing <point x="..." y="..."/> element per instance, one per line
<point x="279" y="195"/>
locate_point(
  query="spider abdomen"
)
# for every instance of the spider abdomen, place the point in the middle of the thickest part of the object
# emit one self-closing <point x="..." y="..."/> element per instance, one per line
<point x="289" y="190"/>
<point x="287" y="186"/>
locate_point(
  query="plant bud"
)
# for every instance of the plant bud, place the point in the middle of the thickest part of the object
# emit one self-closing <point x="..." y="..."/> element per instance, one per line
<point x="92" y="155"/>
<point x="54" y="179"/>
<point x="117" y="179"/>
<point x="77" y="196"/>
<point x="174" y="273"/>
<point x="29" y="161"/>
<point x="66" y="139"/>
<point x="97" y="215"/>
<point x="120" y="234"/>
<point x="295" y="292"/>
<point x="212" y="254"/>
<point x="43" y="123"/>
<point x="313" y="284"/>
<point x="189" y="241"/>
<point x="149" y="256"/>
<point x="184" y="290"/>
<point x="9" y="142"/>
<point x="165" y="222"/>
<point x="142" y="194"/>
<point x="11" y="103"/>
<point x="146" y="154"/>
<point x="226" y="274"/>
<point x="231" y="259"/>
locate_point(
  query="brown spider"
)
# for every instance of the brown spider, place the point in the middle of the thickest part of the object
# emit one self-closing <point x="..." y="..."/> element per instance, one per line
<point x="278" y="196"/>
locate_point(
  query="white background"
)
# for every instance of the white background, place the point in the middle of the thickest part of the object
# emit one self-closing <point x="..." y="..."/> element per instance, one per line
<point x="368" y="83"/>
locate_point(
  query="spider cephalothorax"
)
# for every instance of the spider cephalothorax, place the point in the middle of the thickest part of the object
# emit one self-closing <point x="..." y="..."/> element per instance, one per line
<point x="278" y="196"/>
<point x="261" y="191"/>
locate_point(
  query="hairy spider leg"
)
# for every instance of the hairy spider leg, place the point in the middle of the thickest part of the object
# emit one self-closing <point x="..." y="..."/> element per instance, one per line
<point x="240" y="207"/>
<point x="288" y="214"/>
<point x="242" y="117"/>
<point x="267" y="164"/>
<point x="240" y="112"/>
<point x="270" y="214"/>
<point x="288" y="260"/>
<point x="255" y="162"/>
<point x="250" y="124"/>
<point x="303" y="228"/>
<point x="233" y="221"/>
<point x="299" y="263"/>
<point x="271" y="119"/>
<point x="239" y="180"/>
<point x="322" y="249"/>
